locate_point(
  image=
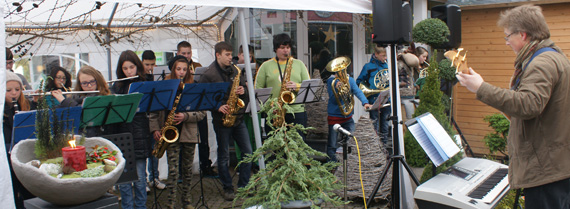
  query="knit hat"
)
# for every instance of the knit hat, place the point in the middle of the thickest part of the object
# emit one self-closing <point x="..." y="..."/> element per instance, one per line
<point x="10" y="76"/>
<point x="177" y="57"/>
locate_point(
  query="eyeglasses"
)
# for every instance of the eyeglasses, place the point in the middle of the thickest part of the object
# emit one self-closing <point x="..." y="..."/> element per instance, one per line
<point x="9" y="62"/>
<point x="60" y="78"/>
<point x="89" y="83"/>
<point x="507" y="37"/>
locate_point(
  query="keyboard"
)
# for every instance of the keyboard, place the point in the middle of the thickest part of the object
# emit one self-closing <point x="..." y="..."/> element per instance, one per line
<point x="470" y="183"/>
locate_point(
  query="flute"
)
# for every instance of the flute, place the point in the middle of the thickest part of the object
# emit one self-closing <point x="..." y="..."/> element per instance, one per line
<point x="66" y="92"/>
<point x="122" y="79"/>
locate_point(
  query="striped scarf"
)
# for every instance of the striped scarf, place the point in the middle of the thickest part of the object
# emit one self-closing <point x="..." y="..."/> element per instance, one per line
<point x="523" y="57"/>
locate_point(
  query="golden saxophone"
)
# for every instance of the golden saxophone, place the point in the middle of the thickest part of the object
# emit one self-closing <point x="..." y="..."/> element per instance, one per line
<point x="234" y="102"/>
<point x="341" y="90"/>
<point x="169" y="133"/>
<point x="285" y="96"/>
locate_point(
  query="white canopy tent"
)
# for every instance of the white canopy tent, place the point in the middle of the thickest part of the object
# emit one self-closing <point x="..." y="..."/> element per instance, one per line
<point x="111" y="27"/>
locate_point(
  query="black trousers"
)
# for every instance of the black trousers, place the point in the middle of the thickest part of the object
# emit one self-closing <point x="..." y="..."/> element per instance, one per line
<point x="204" y="146"/>
<point x="555" y="195"/>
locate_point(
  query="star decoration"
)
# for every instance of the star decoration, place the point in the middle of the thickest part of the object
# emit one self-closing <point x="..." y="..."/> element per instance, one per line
<point x="330" y="34"/>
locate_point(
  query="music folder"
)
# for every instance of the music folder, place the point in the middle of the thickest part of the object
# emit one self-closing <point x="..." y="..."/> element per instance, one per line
<point x="308" y="91"/>
<point x="383" y="100"/>
<point x="261" y="96"/>
<point x="433" y="138"/>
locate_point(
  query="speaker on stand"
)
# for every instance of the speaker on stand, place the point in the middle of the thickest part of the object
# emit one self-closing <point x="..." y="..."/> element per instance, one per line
<point x="392" y="21"/>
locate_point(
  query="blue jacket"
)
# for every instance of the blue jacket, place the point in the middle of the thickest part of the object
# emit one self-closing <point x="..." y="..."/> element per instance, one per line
<point x="368" y="72"/>
<point x="332" y="107"/>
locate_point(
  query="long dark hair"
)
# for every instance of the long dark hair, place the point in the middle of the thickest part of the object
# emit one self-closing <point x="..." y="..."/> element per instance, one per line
<point x="131" y="57"/>
<point x="53" y="74"/>
<point x="188" y="78"/>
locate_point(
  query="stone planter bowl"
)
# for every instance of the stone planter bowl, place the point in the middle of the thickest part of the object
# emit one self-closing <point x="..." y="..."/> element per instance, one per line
<point x="64" y="191"/>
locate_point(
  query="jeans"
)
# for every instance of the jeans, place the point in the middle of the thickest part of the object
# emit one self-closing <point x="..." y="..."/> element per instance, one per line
<point x="138" y="187"/>
<point x="548" y="196"/>
<point x="241" y="137"/>
<point x="334" y="137"/>
<point x="152" y="164"/>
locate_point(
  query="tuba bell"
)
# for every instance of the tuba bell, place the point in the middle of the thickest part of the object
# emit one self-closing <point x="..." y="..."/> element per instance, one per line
<point x="341" y="90"/>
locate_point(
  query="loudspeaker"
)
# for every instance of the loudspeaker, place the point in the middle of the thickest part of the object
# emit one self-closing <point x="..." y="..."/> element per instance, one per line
<point x="451" y="15"/>
<point x="392" y="22"/>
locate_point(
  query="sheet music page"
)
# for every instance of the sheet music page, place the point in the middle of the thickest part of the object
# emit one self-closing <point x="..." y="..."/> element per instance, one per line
<point x="422" y="139"/>
<point x="439" y="134"/>
<point x="304" y="91"/>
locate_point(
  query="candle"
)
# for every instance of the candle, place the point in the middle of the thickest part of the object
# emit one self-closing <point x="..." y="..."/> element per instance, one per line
<point x="74" y="156"/>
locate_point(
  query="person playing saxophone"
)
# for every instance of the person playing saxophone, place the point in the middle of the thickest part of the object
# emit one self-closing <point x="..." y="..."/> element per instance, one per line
<point x="271" y="72"/>
<point x="222" y="70"/>
<point x="183" y="148"/>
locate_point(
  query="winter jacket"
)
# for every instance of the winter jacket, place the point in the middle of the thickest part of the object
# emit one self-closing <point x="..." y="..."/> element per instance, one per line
<point x="538" y="142"/>
<point x="215" y="74"/>
<point x="368" y="73"/>
<point x="333" y="108"/>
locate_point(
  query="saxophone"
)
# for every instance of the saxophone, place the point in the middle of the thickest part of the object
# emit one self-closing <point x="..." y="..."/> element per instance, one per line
<point x="234" y="102"/>
<point x="169" y="133"/>
<point x="285" y="96"/>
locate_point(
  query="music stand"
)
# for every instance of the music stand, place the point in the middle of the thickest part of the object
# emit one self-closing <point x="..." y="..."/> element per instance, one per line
<point x="109" y="109"/>
<point x="25" y="122"/>
<point x="202" y="96"/>
<point x="157" y="95"/>
<point x="261" y="96"/>
<point x="199" y="71"/>
<point x="163" y="72"/>
<point x="308" y="91"/>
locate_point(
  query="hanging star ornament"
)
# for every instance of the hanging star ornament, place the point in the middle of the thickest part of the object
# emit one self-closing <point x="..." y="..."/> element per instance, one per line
<point x="330" y="35"/>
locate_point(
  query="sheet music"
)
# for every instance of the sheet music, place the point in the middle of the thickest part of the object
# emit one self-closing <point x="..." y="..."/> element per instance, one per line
<point x="440" y="135"/>
<point x="433" y="139"/>
<point x="261" y="96"/>
<point x="425" y="143"/>
<point x="381" y="100"/>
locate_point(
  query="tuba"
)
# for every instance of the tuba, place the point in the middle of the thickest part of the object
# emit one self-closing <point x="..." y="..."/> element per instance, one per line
<point x="341" y="90"/>
<point x="285" y="96"/>
<point x="234" y="102"/>
<point x="169" y="133"/>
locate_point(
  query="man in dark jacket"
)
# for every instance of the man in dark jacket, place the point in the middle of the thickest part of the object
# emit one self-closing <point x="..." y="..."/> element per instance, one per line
<point x="537" y="103"/>
<point x="221" y="70"/>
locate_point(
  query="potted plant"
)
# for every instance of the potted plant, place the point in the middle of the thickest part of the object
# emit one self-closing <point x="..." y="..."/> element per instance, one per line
<point x="40" y="166"/>
<point x="290" y="173"/>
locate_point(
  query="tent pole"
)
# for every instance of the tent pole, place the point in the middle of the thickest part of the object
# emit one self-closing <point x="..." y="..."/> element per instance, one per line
<point x="252" y="100"/>
<point x="108" y="41"/>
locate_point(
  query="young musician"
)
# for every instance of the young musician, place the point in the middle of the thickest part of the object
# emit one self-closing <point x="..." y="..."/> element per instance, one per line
<point x="408" y="65"/>
<point x="377" y="65"/>
<point x="183" y="148"/>
<point x="130" y="65"/>
<point x="185" y="49"/>
<point x="537" y="103"/>
<point x="59" y="79"/>
<point x="335" y="115"/>
<point x="221" y="70"/>
<point x="271" y="73"/>
<point x="149" y="61"/>
<point x="14" y="92"/>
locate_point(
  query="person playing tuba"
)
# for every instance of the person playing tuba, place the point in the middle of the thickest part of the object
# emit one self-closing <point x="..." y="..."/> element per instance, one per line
<point x="375" y="76"/>
<point x="341" y="88"/>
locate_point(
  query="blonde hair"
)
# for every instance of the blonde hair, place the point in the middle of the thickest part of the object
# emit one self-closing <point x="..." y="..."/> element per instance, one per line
<point x="378" y="49"/>
<point x="101" y="83"/>
<point x="526" y="18"/>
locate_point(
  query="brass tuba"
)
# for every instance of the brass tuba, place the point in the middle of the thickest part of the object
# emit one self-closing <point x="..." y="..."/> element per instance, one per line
<point x="169" y="133"/>
<point x="285" y="96"/>
<point x="234" y="102"/>
<point x="341" y="90"/>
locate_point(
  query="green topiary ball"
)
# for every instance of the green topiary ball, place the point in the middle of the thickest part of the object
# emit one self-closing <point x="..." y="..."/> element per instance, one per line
<point x="446" y="71"/>
<point x="432" y="31"/>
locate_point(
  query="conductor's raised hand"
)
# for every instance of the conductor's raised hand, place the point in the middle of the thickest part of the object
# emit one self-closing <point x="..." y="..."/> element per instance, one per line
<point x="471" y="81"/>
<point x="224" y="109"/>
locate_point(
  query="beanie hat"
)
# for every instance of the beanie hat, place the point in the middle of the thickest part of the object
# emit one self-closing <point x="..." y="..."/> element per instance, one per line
<point x="10" y="76"/>
<point x="177" y="57"/>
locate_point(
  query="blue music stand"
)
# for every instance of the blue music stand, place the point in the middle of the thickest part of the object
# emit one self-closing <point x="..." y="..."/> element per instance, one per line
<point x="25" y="122"/>
<point x="158" y="95"/>
<point x="202" y="96"/>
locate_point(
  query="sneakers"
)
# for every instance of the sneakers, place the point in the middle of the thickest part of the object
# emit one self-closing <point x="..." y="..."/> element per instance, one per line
<point x="156" y="183"/>
<point x="229" y="194"/>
